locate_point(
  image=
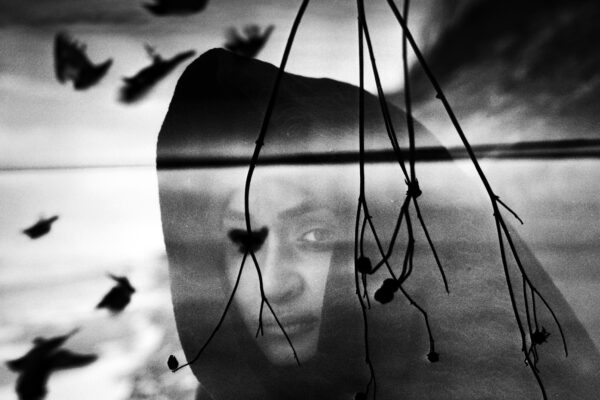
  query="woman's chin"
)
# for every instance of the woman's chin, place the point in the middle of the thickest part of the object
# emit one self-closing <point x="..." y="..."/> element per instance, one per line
<point x="279" y="352"/>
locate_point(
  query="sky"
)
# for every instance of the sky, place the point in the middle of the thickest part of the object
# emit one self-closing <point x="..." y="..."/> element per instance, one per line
<point x="520" y="71"/>
<point x="512" y="72"/>
<point x="44" y="123"/>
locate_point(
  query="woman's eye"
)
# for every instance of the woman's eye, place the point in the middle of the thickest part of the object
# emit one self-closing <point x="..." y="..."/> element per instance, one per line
<point x="318" y="236"/>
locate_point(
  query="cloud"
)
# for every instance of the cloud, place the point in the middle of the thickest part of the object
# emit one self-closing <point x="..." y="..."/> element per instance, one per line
<point x="537" y="57"/>
<point x="48" y="13"/>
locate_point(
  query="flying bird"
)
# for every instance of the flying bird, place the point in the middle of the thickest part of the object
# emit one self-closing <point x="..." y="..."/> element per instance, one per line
<point x="137" y="86"/>
<point x="252" y="41"/>
<point x="175" y="7"/>
<point x="119" y="296"/>
<point x="245" y="242"/>
<point x="72" y="64"/>
<point x="46" y="356"/>
<point x="40" y="228"/>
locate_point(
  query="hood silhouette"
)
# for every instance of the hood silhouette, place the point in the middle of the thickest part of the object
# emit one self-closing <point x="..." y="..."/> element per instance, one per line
<point x="215" y="115"/>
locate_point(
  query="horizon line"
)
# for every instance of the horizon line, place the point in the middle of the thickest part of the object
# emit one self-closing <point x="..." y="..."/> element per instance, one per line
<point x="532" y="150"/>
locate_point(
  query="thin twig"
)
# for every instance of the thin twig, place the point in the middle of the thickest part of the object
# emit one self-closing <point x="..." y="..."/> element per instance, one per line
<point x="223" y="314"/>
<point x="380" y="94"/>
<point x="509" y="209"/>
<point x="377" y="241"/>
<point x="532" y="344"/>
<point x="388" y="254"/>
<point x="254" y="160"/>
<point x="440" y="95"/>
<point x="531" y="285"/>
<point x="407" y="100"/>
<point x="362" y="204"/>
<point x="406" y="265"/>
<point x="366" y="290"/>
<point x="513" y="303"/>
<point x="412" y="150"/>
<point x="362" y="231"/>
<point x="431" y="246"/>
<point x="535" y="319"/>
<point x="422" y="311"/>
<point x="501" y="227"/>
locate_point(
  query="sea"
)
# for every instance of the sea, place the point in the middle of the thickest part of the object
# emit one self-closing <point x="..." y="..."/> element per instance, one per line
<point x="109" y="222"/>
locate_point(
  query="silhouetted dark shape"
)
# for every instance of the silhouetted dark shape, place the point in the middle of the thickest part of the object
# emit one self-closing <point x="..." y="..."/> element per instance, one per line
<point x="72" y="64"/>
<point x="433" y="356"/>
<point x="35" y="367"/>
<point x="119" y="296"/>
<point x="172" y="362"/>
<point x="40" y="228"/>
<point x="139" y="85"/>
<point x="492" y="58"/>
<point x="360" y="396"/>
<point x="250" y="43"/>
<point x="175" y="7"/>
<point x="385" y="293"/>
<point x="540" y="337"/>
<point x="363" y="264"/>
<point x="245" y="243"/>
<point x="220" y="100"/>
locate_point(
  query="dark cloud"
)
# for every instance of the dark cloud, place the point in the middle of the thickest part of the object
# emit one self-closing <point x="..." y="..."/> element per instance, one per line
<point x="48" y="13"/>
<point x="542" y="52"/>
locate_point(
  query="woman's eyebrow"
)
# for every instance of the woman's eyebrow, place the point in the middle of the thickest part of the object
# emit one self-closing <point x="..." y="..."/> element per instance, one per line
<point x="294" y="212"/>
<point x="299" y="210"/>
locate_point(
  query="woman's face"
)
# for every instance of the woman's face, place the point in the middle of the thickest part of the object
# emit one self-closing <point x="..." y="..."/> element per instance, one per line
<point x="294" y="262"/>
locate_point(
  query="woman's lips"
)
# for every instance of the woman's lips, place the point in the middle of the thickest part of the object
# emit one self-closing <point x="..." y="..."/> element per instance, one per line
<point x="293" y="325"/>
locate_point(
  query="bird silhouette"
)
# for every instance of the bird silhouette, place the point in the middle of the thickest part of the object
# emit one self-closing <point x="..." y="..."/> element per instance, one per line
<point x="139" y="85"/>
<point x="36" y="366"/>
<point x="72" y="64"/>
<point x="175" y="7"/>
<point x="245" y="242"/>
<point x="40" y="228"/>
<point x="250" y="44"/>
<point x="119" y="296"/>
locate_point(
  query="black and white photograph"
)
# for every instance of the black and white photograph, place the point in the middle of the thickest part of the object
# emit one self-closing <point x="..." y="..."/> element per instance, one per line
<point x="277" y="199"/>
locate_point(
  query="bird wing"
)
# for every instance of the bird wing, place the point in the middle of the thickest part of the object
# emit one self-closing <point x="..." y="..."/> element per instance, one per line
<point x="173" y="7"/>
<point x="64" y="359"/>
<point x="124" y="282"/>
<point x="267" y="33"/>
<point x="41" y="349"/>
<point x="69" y="58"/>
<point x="106" y="299"/>
<point x="156" y="8"/>
<point x="233" y="39"/>
<point x="152" y="54"/>
<point x="143" y="81"/>
<point x="181" y="56"/>
<point x="17" y="364"/>
<point x="30" y="231"/>
<point x="45" y="346"/>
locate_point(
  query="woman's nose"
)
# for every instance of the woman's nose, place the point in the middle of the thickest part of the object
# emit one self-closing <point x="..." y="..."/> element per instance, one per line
<point x="282" y="278"/>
